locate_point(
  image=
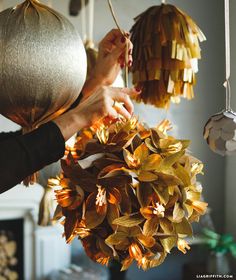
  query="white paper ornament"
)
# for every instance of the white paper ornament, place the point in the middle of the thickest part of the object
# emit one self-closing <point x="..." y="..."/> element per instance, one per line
<point x="220" y="130"/>
<point x="220" y="133"/>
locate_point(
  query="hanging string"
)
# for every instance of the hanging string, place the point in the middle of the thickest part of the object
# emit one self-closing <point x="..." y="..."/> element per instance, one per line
<point x="227" y="56"/>
<point x="91" y="20"/>
<point x="83" y="21"/>
<point x="127" y="49"/>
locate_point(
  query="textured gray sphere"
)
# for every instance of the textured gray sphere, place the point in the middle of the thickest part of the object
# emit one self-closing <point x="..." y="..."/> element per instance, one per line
<point x="43" y="64"/>
<point x="220" y="133"/>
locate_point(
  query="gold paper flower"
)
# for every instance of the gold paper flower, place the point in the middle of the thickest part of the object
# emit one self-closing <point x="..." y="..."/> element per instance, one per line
<point x="130" y="193"/>
<point x="165" y="55"/>
<point x="183" y="245"/>
<point x="69" y="197"/>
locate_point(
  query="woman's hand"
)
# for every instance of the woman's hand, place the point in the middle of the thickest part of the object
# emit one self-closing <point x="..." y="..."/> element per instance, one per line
<point x="111" y="58"/>
<point x="99" y="105"/>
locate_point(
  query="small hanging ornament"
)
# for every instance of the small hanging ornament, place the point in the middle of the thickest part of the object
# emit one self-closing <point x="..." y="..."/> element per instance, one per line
<point x="87" y="26"/>
<point x="220" y="130"/>
<point x="76" y="6"/>
<point x="87" y="30"/>
<point x="165" y="55"/>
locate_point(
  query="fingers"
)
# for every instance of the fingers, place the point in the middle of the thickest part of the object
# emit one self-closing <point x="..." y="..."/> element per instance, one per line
<point x="113" y="113"/>
<point x="116" y="47"/>
<point x="131" y="92"/>
<point x="121" y="110"/>
<point x="108" y="42"/>
<point x="122" y="58"/>
<point x="119" y="52"/>
<point x="123" y="95"/>
<point x="116" y="44"/>
<point x="111" y="36"/>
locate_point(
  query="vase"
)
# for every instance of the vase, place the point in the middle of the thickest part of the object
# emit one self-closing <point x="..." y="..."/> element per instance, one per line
<point x="115" y="273"/>
<point x="218" y="263"/>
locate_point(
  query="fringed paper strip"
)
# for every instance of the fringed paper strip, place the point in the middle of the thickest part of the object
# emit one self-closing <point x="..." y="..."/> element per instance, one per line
<point x="165" y="55"/>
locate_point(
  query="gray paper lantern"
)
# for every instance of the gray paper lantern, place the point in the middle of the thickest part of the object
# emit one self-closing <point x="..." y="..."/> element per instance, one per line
<point x="43" y="64"/>
<point x="220" y="133"/>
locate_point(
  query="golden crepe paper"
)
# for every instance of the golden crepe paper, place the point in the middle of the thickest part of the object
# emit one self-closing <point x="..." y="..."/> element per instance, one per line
<point x="165" y="55"/>
<point x="129" y="193"/>
<point x="47" y="85"/>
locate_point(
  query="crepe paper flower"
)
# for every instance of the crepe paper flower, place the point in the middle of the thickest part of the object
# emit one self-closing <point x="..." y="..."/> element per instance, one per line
<point x="129" y="193"/>
<point x="70" y="198"/>
<point x="135" y="251"/>
<point x="183" y="246"/>
<point x="165" y="55"/>
<point x="97" y="205"/>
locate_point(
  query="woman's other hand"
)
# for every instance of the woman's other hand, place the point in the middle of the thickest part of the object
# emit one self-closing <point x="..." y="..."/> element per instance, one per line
<point x="99" y="105"/>
<point x="111" y="58"/>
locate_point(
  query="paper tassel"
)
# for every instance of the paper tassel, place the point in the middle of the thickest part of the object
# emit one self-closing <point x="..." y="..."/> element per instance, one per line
<point x="165" y="55"/>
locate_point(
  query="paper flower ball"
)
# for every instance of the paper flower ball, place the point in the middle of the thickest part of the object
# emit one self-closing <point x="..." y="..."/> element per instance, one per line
<point x="220" y="133"/>
<point x="129" y="193"/>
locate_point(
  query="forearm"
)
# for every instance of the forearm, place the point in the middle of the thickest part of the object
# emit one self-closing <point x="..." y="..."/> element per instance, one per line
<point x="22" y="155"/>
<point x="71" y="122"/>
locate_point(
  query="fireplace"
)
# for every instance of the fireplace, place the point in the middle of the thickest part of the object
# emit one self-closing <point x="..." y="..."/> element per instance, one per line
<point x="35" y="251"/>
<point x="12" y="249"/>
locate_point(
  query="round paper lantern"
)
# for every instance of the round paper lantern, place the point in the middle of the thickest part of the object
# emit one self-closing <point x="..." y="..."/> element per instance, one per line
<point x="43" y="64"/>
<point x="220" y="133"/>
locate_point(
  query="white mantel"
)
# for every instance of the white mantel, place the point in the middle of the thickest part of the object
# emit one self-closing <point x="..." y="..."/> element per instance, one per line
<point x="44" y="248"/>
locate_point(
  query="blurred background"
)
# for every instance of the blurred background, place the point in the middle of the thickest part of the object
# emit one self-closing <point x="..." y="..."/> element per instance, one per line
<point x="44" y="252"/>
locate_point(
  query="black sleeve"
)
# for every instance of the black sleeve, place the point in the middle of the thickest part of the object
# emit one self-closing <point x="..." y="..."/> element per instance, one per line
<point x="6" y="135"/>
<point x="22" y="155"/>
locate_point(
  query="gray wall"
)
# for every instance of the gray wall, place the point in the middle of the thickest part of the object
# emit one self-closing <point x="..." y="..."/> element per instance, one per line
<point x="189" y="117"/>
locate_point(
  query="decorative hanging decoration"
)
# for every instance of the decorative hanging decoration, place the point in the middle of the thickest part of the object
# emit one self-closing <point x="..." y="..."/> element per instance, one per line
<point x="87" y="35"/>
<point x="42" y="64"/>
<point x="165" y="55"/>
<point x="47" y="203"/>
<point x="43" y="61"/>
<point x="76" y="6"/>
<point x="220" y="130"/>
<point x="129" y="193"/>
